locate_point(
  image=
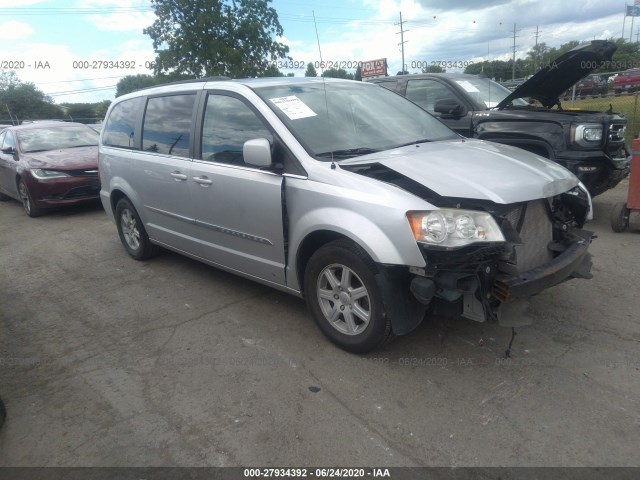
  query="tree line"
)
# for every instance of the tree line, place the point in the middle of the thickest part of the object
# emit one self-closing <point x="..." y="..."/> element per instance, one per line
<point x="24" y="101"/>
<point x="239" y="39"/>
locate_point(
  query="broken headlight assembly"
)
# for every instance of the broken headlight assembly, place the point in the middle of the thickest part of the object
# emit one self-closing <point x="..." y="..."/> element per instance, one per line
<point x="454" y="228"/>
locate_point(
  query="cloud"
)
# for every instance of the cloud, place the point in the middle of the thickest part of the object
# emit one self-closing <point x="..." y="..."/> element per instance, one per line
<point x="119" y="15"/>
<point x="23" y="3"/>
<point x="13" y="30"/>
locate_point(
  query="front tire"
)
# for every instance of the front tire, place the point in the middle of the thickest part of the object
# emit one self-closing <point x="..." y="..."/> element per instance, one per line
<point x="27" y="201"/>
<point x="132" y="233"/>
<point x="344" y="297"/>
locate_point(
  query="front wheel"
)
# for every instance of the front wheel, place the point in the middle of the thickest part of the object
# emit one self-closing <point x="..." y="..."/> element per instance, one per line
<point x="27" y="202"/>
<point x="344" y="298"/>
<point x="133" y="236"/>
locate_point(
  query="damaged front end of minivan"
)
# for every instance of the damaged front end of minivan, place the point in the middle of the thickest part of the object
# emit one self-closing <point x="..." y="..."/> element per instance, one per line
<point x="484" y="259"/>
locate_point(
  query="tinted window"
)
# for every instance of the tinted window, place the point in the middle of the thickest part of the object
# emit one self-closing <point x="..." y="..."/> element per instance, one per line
<point x="427" y="92"/>
<point x="167" y="123"/>
<point x="120" y="126"/>
<point x="228" y="123"/>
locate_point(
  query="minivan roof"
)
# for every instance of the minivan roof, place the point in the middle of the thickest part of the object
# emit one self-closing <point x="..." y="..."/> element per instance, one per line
<point x="200" y="83"/>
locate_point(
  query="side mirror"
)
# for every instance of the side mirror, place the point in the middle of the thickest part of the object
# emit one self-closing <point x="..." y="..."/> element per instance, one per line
<point x="8" y="151"/>
<point x="257" y="152"/>
<point x="448" y="106"/>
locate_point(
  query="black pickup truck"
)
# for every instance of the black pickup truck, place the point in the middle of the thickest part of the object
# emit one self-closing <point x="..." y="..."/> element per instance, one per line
<point x="589" y="143"/>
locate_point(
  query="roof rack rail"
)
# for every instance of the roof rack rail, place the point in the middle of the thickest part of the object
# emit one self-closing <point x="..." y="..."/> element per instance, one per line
<point x="219" y="78"/>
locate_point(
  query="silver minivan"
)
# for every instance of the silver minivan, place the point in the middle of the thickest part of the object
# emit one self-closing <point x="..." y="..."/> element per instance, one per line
<point x="345" y="194"/>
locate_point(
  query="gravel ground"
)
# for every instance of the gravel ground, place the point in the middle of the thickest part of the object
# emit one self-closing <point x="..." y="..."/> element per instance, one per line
<point x="105" y="361"/>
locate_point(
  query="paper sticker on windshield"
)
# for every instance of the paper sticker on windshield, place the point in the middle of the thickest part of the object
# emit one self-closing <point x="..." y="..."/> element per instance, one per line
<point x="293" y="107"/>
<point x="467" y="86"/>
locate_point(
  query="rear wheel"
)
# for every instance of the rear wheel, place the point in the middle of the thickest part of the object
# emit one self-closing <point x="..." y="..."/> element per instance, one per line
<point x="620" y="217"/>
<point x="133" y="236"/>
<point x="27" y="202"/>
<point x="344" y="298"/>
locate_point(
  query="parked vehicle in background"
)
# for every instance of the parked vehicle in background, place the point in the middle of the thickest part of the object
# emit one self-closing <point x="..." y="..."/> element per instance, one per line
<point x="591" y="144"/>
<point x="345" y="194"/>
<point x="627" y="81"/>
<point x="515" y="83"/>
<point x="591" y="85"/>
<point x="47" y="165"/>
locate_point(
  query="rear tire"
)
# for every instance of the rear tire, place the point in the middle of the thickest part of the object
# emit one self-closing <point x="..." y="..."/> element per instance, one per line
<point x="342" y="294"/>
<point x="620" y="217"/>
<point x="132" y="233"/>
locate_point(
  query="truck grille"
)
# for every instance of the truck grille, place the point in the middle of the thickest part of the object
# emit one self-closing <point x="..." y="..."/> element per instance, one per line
<point x="617" y="132"/>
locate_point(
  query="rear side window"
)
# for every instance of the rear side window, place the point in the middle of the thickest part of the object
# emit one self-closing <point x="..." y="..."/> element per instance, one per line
<point x="120" y="126"/>
<point x="167" y="125"/>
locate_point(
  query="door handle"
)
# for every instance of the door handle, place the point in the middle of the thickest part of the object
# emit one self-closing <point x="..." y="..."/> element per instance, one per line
<point x="204" y="181"/>
<point x="178" y="176"/>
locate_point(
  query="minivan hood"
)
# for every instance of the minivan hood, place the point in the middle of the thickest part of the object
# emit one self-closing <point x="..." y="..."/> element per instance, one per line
<point x="475" y="169"/>
<point x="551" y="81"/>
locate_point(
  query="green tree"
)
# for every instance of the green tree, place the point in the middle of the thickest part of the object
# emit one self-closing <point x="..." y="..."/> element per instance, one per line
<point x="311" y="71"/>
<point x="358" y="74"/>
<point x="8" y="78"/>
<point x="131" y="83"/>
<point x="234" y="38"/>
<point x="433" y="69"/>
<point x="536" y="57"/>
<point x="101" y="108"/>
<point x="25" y="101"/>
<point x="271" y="71"/>
<point x="337" y="73"/>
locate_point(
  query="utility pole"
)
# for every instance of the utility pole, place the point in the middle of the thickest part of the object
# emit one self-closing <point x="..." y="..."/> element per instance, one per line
<point x="535" y="58"/>
<point x="402" y="40"/>
<point x="637" y="34"/>
<point x="513" y="70"/>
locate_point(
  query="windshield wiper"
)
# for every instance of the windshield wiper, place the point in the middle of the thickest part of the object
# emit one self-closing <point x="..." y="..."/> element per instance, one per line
<point x="347" y="153"/>
<point x="415" y="142"/>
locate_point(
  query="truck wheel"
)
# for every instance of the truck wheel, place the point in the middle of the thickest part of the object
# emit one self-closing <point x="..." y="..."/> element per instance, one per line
<point x="133" y="236"/>
<point x="344" y="298"/>
<point x="620" y="217"/>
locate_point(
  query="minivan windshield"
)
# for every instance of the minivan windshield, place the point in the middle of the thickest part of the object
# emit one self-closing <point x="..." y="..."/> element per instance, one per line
<point x="338" y="120"/>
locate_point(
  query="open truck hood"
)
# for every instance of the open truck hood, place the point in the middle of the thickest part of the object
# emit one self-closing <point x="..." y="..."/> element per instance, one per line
<point x="475" y="169"/>
<point x="552" y="80"/>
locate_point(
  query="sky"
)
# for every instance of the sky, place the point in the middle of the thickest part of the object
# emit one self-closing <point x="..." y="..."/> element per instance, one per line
<point x="68" y="48"/>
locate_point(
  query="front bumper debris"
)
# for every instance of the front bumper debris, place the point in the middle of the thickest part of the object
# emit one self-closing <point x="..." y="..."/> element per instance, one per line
<point x="574" y="262"/>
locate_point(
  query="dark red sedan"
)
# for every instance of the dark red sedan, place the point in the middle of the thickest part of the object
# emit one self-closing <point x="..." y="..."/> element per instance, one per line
<point x="48" y="165"/>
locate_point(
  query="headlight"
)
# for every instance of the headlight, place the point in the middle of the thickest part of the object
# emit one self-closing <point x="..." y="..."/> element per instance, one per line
<point x="453" y="228"/>
<point x="587" y="134"/>
<point x="42" y="174"/>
